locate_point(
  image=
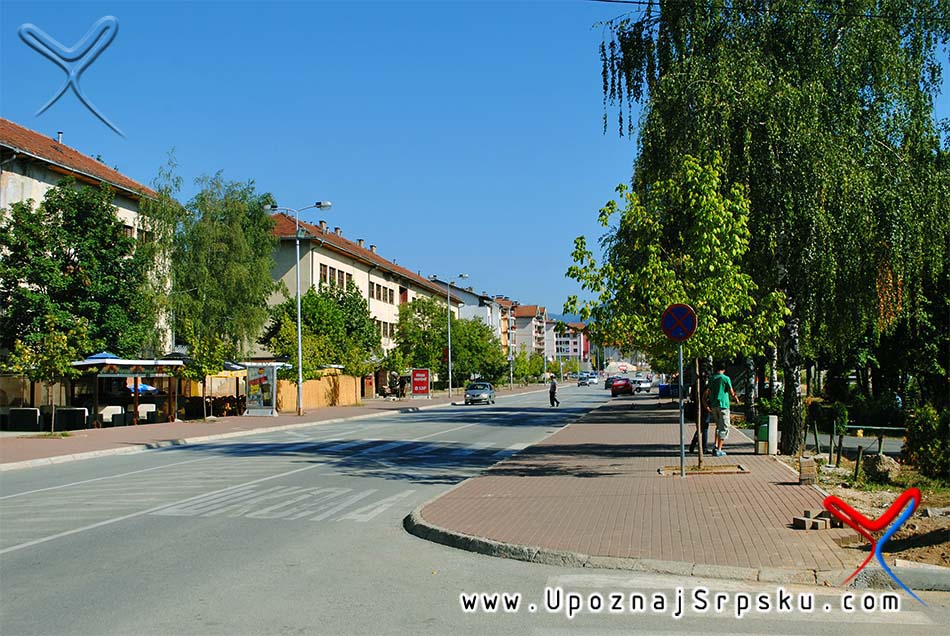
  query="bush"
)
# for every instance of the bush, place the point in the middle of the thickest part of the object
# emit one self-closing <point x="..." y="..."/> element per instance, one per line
<point x="771" y="406"/>
<point x="881" y="411"/>
<point x="928" y="442"/>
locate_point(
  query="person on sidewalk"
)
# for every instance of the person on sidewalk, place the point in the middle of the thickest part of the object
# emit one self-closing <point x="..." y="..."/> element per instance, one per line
<point x="716" y="400"/>
<point x="553" y="393"/>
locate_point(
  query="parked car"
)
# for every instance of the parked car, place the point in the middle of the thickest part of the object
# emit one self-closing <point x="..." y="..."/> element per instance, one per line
<point x="609" y="380"/>
<point x="621" y="386"/>
<point x="480" y="392"/>
<point x="642" y="384"/>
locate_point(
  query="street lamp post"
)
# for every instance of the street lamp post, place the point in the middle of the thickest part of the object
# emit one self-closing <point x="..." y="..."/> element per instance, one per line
<point x="448" y="303"/>
<point x="320" y="205"/>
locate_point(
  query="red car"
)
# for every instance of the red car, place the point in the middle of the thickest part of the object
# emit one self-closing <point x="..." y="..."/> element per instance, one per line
<point x="621" y="386"/>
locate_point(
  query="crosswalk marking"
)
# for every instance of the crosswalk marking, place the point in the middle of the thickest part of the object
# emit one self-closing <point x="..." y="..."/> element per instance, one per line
<point x="351" y="444"/>
<point x="382" y="448"/>
<point x="511" y="450"/>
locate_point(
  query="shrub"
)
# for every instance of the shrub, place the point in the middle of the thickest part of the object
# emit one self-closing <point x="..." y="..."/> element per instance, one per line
<point x="928" y="442"/>
<point x="771" y="406"/>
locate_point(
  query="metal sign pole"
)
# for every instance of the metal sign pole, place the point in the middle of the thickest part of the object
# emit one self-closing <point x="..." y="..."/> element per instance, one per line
<point x="682" y="422"/>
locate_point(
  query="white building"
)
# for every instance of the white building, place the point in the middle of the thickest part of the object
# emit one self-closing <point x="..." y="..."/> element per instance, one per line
<point x="327" y="256"/>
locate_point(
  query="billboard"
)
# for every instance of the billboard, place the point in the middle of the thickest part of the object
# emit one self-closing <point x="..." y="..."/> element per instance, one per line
<point x="420" y="383"/>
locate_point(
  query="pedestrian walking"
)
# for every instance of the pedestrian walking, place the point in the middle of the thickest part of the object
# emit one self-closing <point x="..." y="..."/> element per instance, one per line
<point x="553" y="393"/>
<point x="716" y="400"/>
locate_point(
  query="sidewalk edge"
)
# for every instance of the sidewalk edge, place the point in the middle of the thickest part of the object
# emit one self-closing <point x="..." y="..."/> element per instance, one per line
<point x="916" y="578"/>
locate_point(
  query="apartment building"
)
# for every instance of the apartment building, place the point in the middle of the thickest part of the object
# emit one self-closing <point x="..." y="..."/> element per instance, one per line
<point x="530" y="328"/>
<point x="476" y="306"/>
<point x="326" y="256"/>
<point x="31" y="163"/>
<point x="507" y="323"/>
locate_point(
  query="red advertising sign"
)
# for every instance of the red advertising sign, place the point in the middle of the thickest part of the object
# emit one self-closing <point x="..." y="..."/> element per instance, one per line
<point x="420" y="382"/>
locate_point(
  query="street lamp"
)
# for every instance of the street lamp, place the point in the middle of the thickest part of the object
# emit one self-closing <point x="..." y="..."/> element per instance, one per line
<point x="448" y="302"/>
<point x="320" y="205"/>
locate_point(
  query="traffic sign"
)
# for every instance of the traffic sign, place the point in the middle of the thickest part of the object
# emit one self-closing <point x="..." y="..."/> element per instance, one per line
<point x="678" y="322"/>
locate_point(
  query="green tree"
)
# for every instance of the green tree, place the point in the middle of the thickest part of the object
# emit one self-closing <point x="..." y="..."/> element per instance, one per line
<point x="71" y="259"/>
<point x="476" y="351"/>
<point x="421" y="334"/>
<point x="826" y="112"/>
<point x="336" y="328"/>
<point x="47" y="356"/>
<point x="207" y="353"/>
<point x="222" y="266"/>
<point x="685" y="244"/>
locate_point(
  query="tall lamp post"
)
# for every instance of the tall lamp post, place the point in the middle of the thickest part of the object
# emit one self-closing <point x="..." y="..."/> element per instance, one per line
<point x="448" y="303"/>
<point x="320" y="205"/>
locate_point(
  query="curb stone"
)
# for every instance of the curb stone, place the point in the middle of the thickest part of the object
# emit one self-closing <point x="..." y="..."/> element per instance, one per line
<point x="920" y="579"/>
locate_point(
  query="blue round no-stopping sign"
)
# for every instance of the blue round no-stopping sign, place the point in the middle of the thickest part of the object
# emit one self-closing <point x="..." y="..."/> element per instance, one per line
<point x="678" y="322"/>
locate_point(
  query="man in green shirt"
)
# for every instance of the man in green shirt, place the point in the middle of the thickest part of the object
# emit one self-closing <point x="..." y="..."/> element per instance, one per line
<point x="716" y="400"/>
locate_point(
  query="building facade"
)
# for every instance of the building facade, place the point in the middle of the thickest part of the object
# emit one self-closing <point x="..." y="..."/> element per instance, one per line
<point x="327" y="257"/>
<point x="530" y="328"/>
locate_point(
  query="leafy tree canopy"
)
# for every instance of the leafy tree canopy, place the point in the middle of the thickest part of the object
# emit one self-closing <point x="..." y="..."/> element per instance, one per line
<point x="223" y="260"/>
<point x="685" y="244"/>
<point x="71" y="261"/>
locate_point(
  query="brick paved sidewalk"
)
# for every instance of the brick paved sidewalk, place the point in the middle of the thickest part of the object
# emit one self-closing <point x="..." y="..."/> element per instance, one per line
<point x="85" y="443"/>
<point x="593" y="488"/>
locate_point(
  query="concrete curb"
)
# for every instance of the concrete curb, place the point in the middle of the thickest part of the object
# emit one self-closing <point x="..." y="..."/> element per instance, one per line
<point x="916" y="578"/>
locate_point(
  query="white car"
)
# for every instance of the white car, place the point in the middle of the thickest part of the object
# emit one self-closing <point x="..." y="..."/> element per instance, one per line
<point x="642" y="384"/>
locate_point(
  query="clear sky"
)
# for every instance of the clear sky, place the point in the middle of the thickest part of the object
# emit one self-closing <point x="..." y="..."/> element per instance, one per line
<point x="456" y="136"/>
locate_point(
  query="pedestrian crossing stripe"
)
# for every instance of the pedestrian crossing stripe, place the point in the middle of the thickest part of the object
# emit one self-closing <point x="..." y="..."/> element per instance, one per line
<point x="286" y="502"/>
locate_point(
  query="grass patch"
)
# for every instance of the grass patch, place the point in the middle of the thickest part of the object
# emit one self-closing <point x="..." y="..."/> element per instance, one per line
<point x="56" y="435"/>
<point x="932" y="489"/>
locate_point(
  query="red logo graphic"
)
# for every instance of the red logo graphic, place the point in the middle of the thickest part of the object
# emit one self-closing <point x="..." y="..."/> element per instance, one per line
<point x="864" y="526"/>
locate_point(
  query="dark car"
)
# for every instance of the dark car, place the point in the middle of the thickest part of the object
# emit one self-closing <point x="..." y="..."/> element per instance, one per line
<point x="621" y="386"/>
<point x="479" y="392"/>
<point x="609" y="380"/>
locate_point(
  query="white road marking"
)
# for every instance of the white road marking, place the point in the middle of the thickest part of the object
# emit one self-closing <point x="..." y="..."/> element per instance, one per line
<point x="145" y="512"/>
<point x="382" y="448"/>
<point x="86" y="481"/>
<point x="511" y="450"/>
<point x="366" y="513"/>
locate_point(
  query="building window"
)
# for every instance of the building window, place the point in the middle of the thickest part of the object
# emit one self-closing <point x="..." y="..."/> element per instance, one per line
<point x="349" y="279"/>
<point x="323" y="273"/>
<point x="392" y="296"/>
<point x="341" y="278"/>
<point x="332" y="275"/>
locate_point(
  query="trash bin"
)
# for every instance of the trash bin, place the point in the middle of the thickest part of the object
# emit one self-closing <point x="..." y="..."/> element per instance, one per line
<point x="766" y="435"/>
<point x="762" y="437"/>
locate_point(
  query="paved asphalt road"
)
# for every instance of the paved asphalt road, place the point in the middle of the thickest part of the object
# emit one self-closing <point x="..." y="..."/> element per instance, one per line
<point x="299" y="532"/>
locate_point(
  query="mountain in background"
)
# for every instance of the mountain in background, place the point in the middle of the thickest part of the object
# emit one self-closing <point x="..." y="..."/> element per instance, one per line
<point x="564" y="317"/>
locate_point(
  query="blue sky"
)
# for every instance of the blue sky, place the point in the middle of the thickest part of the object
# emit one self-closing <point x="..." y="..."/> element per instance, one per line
<point x="456" y="136"/>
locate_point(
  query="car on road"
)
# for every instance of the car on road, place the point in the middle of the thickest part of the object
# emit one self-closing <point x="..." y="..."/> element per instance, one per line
<point x="621" y="386"/>
<point x="642" y="384"/>
<point x="609" y="380"/>
<point x="480" y="392"/>
<point x="583" y="380"/>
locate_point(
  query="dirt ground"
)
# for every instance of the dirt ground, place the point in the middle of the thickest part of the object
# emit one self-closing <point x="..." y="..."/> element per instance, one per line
<point x="921" y="539"/>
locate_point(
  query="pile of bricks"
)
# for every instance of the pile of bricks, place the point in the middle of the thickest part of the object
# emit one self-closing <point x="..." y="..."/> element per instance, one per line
<point x="816" y="520"/>
<point x="807" y="471"/>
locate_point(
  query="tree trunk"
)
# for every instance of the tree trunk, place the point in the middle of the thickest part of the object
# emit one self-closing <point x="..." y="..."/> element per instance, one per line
<point x="750" y="391"/>
<point x="773" y="372"/>
<point x="793" y="424"/>
<point x="49" y="401"/>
